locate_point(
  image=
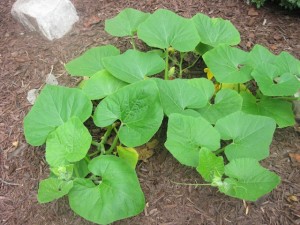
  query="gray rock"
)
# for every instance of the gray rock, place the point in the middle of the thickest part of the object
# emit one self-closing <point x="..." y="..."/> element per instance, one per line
<point x="52" y="18"/>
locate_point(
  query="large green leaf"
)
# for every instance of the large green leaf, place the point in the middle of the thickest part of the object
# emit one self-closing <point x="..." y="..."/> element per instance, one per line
<point x="210" y="165"/>
<point x="272" y="83"/>
<point x="206" y="88"/>
<point x="125" y="23"/>
<point x="228" y="64"/>
<point x="260" y="55"/>
<point x="280" y="110"/>
<point x="216" y="31"/>
<point x="182" y="96"/>
<point x="53" y="188"/>
<point x="101" y="84"/>
<point x="165" y="29"/>
<point x="118" y="196"/>
<point x="90" y="62"/>
<point x="133" y="66"/>
<point x="251" y="135"/>
<point x="70" y="142"/>
<point x="186" y="135"/>
<point x="226" y="102"/>
<point x="54" y="106"/>
<point x="248" y="180"/>
<point x="138" y="107"/>
<point x="288" y="64"/>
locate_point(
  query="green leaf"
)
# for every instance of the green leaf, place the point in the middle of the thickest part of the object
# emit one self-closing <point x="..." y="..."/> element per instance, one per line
<point x="81" y="168"/>
<point x="138" y="108"/>
<point x="216" y="31"/>
<point x="125" y="23"/>
<point x="130" y="155"/>
<point x="181" y="96"/>
<point x="251" y="135"/>
<point x="102" y="84"/>
<point x="186" y="135"/>
<point x="226" y="102"/>
<point x="118" y="196"/>
<point x="164" y="29"/>
<point x="228" y="64"/>
<point x="248" y="180"/>
<point x="260" y="55"/>
<point x="53" y="188"/>
<point x="288" y="64"/>
<point x="133" y="66"/>
<point x="90" y="62"/>
<point x="63" y="172"/>
<point x="206" y="88"/>
<point x="272" y="83"/>
<point x="70" y="142"/>
<point x="210" y="165"/>
<point x="54" y="106"/>
<point x="280" y="110"/>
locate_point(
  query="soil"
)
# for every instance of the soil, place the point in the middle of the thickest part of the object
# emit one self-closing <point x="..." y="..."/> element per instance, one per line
<point x="26" y="59"/>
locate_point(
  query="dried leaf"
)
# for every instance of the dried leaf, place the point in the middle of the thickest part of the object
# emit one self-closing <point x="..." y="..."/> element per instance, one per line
<point x="31" y="95"/>
<point x="295" y="156"/>
<point x="51" y="79"/>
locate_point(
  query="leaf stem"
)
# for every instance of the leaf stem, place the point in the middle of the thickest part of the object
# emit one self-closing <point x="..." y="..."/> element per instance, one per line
<point x="132" y="42"/>
<point x="182" y="54"/>
<point x="100" y="145"/>
<point x="190" y="184"/>
<point x="219" y="151"/>
<point x="193" y="64"/>
<point x="167" y="64"/>
<point x="113" y="145"/>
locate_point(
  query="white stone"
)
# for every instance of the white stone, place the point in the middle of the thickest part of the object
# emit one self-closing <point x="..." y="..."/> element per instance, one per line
<point x="32" y="95"/>
<point x="52" y="18"/>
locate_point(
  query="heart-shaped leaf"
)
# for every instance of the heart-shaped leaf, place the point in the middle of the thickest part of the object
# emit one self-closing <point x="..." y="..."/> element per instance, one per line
<point x="133" y="66"/>
<point x="288" y="64"/>
<point x="248" y="180"/>
<point x="90" y="62"/>
<point x="54" y="106"/>
<point x="216" y="31"/>
<point x="70" y="142"/>
<point x="251" y="135"/>
<point x="272" y="83"/>
<point x="101" y="84"/>
<point x="164" y="29"/>
<point x="125" y="23"/>
<point x="260" y="55"/>
<point x="210" y="165"/>
<point x="228" y="64"/>
<point x="280" y="110"/>
<point x="182" y="96"/>
<point x="138" y="108"/>
<point x="53" y="188"/>
<point x="118" y="195"/>
<point x="186" y="135"/>
<point x="226" y="102"/>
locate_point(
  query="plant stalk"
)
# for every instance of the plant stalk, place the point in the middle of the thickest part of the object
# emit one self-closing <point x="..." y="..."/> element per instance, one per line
<point x="193" y="64"/>
<point x="113" y="145"/>
<point x="180" y="64"/>
<point x="132" y="42"/>
<point x="167" y="65"/>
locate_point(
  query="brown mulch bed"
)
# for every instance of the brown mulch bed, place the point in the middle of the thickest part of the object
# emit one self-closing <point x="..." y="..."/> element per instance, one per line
<point x="26" y="59"/>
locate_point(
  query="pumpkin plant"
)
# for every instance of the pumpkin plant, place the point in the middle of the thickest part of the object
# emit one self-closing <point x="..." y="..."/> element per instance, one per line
<point x="221" y="126"/>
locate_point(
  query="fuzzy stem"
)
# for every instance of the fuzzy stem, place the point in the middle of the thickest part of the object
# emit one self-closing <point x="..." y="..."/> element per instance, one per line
<point x="132" y="42"/>
<point x="180" y="64"/>
<point x="167" y="64"/>
<point x="113" y="145"/>
<point x="193" y="64"/>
